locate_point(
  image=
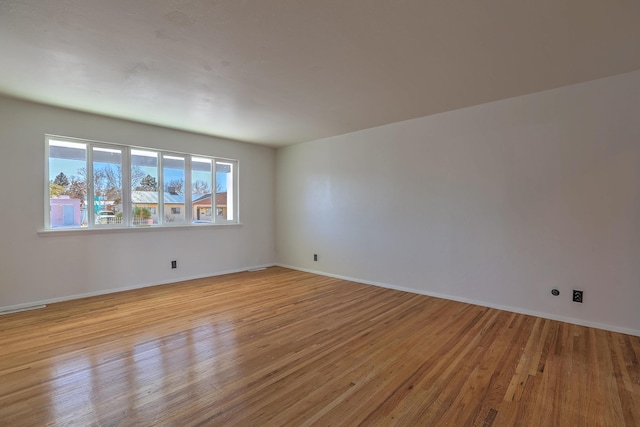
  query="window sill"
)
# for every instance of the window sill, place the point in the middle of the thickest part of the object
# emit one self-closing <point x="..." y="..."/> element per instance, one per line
<point x="135" y="229"/>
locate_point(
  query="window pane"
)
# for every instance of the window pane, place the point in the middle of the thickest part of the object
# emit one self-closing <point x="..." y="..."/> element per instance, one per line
<point x="224" y="192"/>
<point x="67" y="184"/>
<point x="201" y="178"/>
<point x="173" y="173"/>
<point x="144" y="187"/>
<point x="107" y="185"/>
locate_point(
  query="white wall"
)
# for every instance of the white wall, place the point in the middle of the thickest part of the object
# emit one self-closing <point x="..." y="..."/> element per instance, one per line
<point x="35" y="268"/>
<point x="495" y="204"/>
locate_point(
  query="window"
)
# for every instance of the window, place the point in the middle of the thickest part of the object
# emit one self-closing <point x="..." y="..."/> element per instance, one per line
<point x="103" y="185"/>
<point x="201" y="185"/>
<point x="107" y="184"/>
<point x="67" y="201"/>
<point x="173" y="167"/>
<point x="144" y="186"/>
<point x="224" y="193"/>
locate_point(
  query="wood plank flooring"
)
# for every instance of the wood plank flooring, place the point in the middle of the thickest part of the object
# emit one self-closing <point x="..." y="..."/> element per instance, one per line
<point x="282" y="347"/>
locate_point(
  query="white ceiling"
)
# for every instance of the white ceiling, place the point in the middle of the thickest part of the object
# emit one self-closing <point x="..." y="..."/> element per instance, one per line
<point x="278" y="72"/>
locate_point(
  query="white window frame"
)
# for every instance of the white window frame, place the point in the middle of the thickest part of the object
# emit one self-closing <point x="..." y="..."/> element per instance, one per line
<point x="127" y="205"/>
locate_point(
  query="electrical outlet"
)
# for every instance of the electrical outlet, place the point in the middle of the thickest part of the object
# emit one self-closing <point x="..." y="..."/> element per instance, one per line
<point x="315" y="257"/>
<point x="174" y="264"/>
<point x="577" y="296"/>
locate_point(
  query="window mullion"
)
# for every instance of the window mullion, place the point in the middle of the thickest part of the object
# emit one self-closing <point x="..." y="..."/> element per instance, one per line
<point x="126" y="187"/>
<point x="161" y="187"/>
<point x="47" y="185"/>
<point x="214" y="192"/>
<point x="188" y="191"/>
<point x="91" y="200"/>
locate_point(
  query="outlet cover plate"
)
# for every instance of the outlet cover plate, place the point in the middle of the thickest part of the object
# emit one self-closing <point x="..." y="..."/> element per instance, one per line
<point x="577" y="296"/>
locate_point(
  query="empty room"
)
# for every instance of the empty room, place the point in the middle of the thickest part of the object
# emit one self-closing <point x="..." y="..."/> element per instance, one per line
<point x="331" y="213"/>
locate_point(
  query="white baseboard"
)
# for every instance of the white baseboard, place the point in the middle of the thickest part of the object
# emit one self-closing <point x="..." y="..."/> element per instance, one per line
<point x="519" y="310"/>
<point x="30" y="305"/>
<point x="581" y="322"/>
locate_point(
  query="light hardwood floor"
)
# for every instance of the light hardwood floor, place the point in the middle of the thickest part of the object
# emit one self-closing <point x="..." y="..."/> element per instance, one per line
<point x="281" y="347"/>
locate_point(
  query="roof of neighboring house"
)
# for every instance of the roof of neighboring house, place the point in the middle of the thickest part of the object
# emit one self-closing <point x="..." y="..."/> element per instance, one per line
<point x="221" y="199"/>
<point x="152" y="197"/>
<point x="198" y="198"/>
